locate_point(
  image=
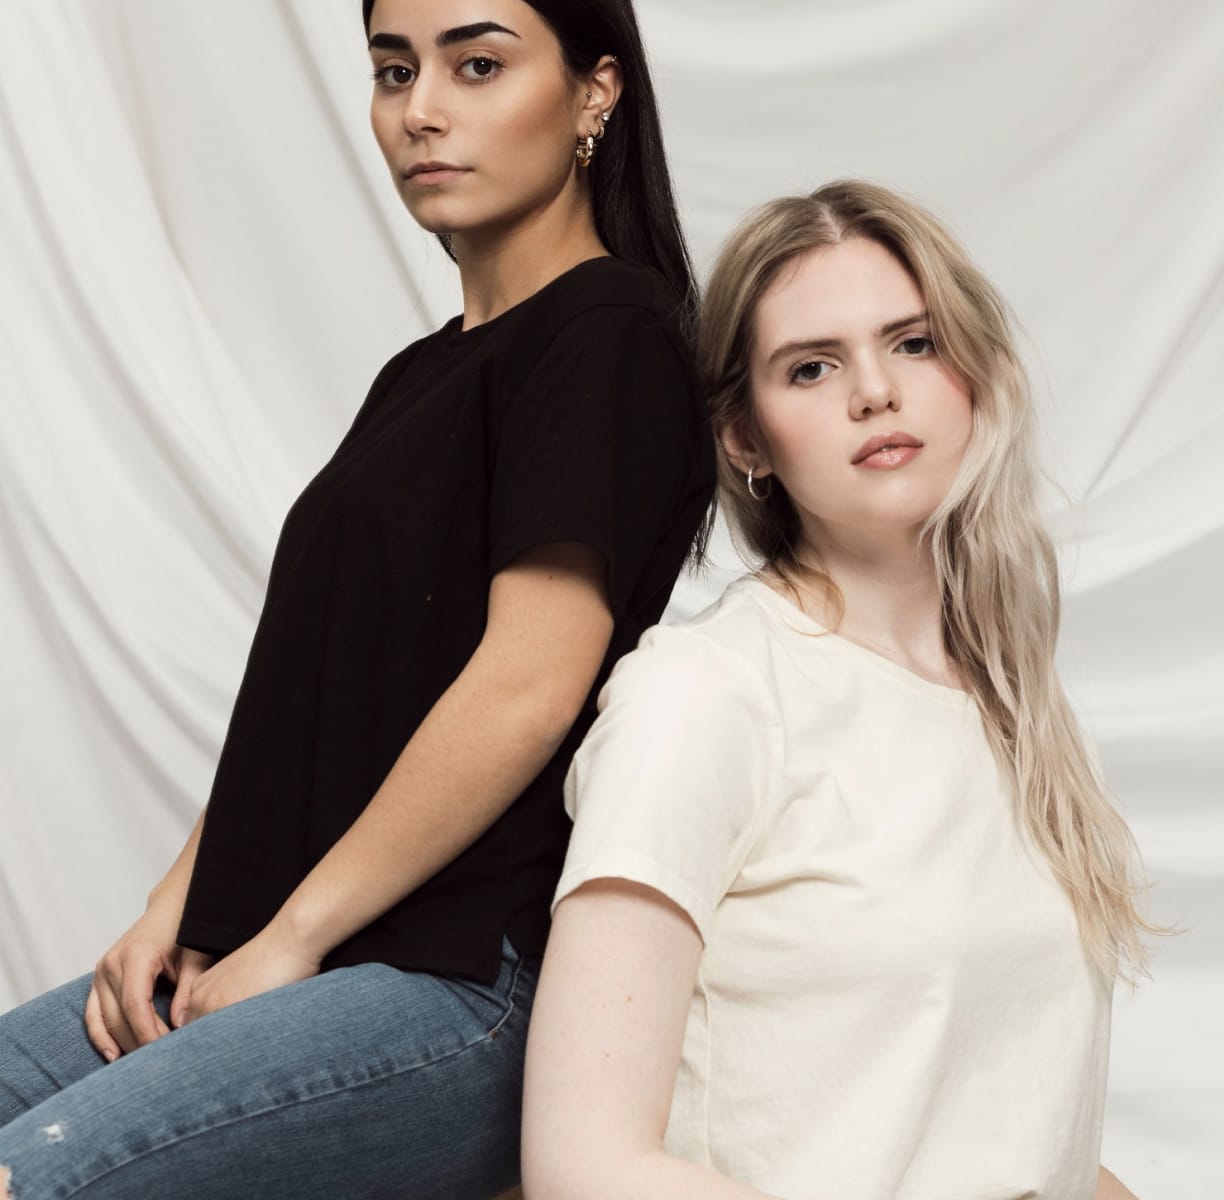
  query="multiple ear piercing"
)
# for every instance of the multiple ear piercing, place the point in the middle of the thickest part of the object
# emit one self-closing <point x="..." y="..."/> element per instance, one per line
<point x="588" y="145"/>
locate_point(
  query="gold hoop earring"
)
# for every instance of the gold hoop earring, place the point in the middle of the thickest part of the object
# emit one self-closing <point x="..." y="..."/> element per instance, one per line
<point x="586" y="149"/>
<point x="752" y="491"/>
<point x="587" y="145"/>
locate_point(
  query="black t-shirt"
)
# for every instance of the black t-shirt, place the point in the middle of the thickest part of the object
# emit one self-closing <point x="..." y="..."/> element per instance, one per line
<point x="573" y="417"/>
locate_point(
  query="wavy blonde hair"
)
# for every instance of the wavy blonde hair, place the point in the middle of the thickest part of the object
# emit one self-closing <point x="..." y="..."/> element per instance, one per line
<point x="994" y="559"/>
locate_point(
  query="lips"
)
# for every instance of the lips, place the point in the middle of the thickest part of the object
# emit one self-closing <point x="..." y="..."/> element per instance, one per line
<point x="429" y="168"/>
<point x="885" y="441"/>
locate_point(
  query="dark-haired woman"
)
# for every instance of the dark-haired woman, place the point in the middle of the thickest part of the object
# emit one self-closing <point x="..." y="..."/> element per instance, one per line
<point x="328" y="993"/>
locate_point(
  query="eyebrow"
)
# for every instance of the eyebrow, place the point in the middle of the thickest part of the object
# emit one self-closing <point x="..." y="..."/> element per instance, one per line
<point x="449" y="37"/>
<point x="827" y="343"/>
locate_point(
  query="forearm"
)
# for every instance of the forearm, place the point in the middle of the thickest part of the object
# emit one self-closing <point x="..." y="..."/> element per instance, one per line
<point x="171" y="891"/>
<point x="480" y="746"/>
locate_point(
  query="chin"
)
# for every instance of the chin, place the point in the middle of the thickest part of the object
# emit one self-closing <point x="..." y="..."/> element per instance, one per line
<point x="912" y="517"/>
<point x="434" y="227"/>
<point x="435" y="224"/>
<point x="432" y="222"/>
<point x="438" y="214"/>
<point x="885" y="522"/>
<point x="909" y="505"/>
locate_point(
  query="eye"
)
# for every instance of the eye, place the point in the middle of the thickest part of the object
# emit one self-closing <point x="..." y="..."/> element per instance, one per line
<point x="810" y="372"/>
<point x="917" y="346"/>
<point x="479" y="68"/>
<point x="393" y="75"/>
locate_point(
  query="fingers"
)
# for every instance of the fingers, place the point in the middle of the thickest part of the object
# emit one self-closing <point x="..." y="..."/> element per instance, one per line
<point x="123" y="987"/>
<point x="137" y="999"/>
<point x="182" y="998"/>
<point x="192" y="965"/>
<point x="95" y="1027"/>
<point x="108" y="980"/>
<point x="119" y="1014"/>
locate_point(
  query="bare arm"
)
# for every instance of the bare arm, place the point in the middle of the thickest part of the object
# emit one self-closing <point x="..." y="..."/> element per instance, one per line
<point x="484" y="741"/>
<point x="1109" y="1187"/>
<point x="604" y="1047"/>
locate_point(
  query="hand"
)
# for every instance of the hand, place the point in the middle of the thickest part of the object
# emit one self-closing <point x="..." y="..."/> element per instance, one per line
<point x="269" y="960"/>
<point x="119" y="1014"/>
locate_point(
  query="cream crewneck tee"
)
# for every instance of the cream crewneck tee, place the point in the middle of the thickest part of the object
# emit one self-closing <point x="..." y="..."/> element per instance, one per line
<point x="893" y="1002"/>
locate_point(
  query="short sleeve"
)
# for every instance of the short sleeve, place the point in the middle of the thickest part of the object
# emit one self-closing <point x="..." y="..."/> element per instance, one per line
<point x="670" y="785"/>
<point x="596" y="446"/>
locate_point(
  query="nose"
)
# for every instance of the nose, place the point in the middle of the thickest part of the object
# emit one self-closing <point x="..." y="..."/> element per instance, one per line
<point x="875" y="390"/>
<point x="423" y="113"/>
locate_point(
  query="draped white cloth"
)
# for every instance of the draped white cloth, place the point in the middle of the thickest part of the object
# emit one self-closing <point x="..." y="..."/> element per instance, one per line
<point x="202" y="265"/>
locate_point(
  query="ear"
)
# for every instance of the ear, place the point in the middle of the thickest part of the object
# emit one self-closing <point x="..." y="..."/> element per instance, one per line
<point x="745" y="452"/>
<point x="605" y="85"/>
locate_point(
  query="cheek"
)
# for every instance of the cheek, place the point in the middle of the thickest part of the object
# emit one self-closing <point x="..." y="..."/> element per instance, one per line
<point x="942" y="410"/>
<point x="528" y="144"/>
<point x="798" y="434"/>
<point x="383" y="124"/>
<point x="961" y="420"/>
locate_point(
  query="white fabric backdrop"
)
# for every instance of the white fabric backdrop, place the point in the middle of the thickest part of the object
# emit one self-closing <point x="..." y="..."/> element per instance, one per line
<point x="202" y="265"/>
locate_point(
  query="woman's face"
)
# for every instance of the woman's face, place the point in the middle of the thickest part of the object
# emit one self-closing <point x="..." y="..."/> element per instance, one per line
<point x="477" y="89"/>
<point x="859" y="418"/>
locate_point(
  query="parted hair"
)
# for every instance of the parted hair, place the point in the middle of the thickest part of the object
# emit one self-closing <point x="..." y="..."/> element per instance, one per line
<point x="994" y="558"/>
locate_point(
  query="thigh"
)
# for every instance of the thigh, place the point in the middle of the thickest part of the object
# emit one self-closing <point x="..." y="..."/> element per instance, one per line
<point x="366" y="1081"/>
<point x="44" y="1047"/>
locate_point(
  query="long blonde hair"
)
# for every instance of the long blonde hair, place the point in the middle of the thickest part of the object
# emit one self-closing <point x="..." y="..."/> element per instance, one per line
<point x="994" y="559"/>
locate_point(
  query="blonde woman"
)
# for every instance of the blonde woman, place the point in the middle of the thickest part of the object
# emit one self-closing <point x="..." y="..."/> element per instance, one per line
<point x="845" y="901"/>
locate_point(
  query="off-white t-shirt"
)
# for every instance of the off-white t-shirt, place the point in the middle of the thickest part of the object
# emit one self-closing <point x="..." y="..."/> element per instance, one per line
<point x="893" y="1002"/>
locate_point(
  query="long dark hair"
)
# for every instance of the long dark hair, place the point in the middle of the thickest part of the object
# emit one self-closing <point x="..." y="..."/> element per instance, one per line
<point x="631" y="189"/>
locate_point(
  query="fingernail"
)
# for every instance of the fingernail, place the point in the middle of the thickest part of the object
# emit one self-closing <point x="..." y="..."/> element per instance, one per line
<point x="109" y="1055"/>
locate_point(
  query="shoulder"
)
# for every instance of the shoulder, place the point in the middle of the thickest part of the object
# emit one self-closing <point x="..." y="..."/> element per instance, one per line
<point x="604" y="313"/>
<point x="706" y="665"/>
<point x="395" y="373"/>
<point x="739" y="620"/>
<point x="399" y="363"/>
<point x="608" y="283"/>
<point x="747" y="650"/>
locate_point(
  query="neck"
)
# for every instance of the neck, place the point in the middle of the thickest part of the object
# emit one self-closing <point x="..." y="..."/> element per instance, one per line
<point x="892" y="598"/>
<point x="500" y="267"/>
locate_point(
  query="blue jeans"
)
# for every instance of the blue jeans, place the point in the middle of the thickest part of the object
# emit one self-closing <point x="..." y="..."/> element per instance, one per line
<point x="365" y="1082"/>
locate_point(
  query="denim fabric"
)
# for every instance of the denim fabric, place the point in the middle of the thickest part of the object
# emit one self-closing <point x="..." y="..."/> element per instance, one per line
<point x="364" y="1081"/>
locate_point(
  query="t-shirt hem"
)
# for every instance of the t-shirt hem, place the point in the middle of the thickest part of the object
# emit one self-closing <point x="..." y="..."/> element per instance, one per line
<point x="644" y="870"/>
<point x="463" y="961"/>
<point x="457" y="964"/>
<point x="212" y="939"/>
<point x="589" y="533"/>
